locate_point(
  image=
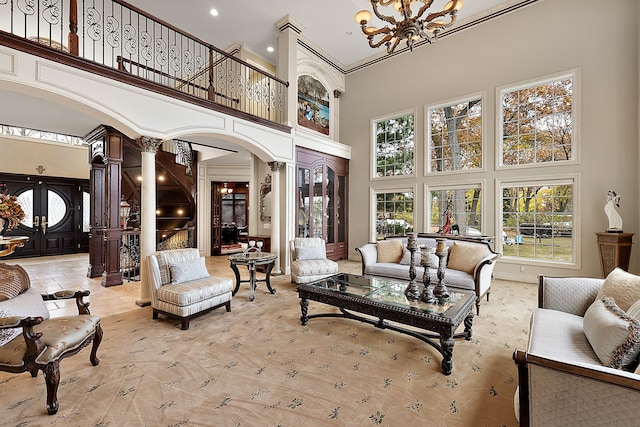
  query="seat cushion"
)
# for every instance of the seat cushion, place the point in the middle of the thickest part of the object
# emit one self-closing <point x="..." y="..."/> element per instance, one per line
<point x="192" y="292"/>
<point x="313" y="267"/>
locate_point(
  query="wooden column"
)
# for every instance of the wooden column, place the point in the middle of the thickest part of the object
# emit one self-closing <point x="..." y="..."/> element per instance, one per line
<point x="105" y="237"/>
<point x="615" y="251"/>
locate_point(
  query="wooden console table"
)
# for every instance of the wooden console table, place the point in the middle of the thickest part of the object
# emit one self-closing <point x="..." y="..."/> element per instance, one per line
<point x="9" y="244"/>
<point x="615" y="251"/>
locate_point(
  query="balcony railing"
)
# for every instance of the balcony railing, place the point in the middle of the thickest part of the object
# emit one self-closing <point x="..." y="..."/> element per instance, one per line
<point x="118" y="35"/>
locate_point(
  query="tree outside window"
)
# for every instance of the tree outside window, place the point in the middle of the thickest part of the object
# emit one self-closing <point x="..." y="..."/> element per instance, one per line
<point x="464" y="206"/>
<point x="538" y="123"/>
<point x="538" y="221"/>
<point x="455" y="136"/>
<point x="394" y="146"/>
<point x="394" y="214"/>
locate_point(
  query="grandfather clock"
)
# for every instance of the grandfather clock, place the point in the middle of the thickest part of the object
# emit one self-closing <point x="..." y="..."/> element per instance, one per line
<point x="615" y="251"/>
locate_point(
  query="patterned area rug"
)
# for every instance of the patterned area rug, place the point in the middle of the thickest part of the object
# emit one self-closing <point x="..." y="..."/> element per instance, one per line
<point x="258" y="366"/>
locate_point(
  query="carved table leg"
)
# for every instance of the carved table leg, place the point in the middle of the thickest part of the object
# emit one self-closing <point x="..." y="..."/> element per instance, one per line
<point x="304" y="307"/>
<point x="267" y="278"/>
<point x="252" y="280"/>
<point x="237" y="274"/>
<point x="468" y="322"/>
<point x="447" y="354"/>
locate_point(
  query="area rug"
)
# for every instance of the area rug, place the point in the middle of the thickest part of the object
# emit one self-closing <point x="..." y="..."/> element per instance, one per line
<point x="258" y="366"/>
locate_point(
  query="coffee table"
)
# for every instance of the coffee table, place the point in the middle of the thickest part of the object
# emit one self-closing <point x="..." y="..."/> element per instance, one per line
<point x="251" y="260"/>
<point x="382" y="300"/>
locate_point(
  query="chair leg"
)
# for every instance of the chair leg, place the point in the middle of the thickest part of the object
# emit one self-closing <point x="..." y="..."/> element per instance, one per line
<point x="52" y="378"/>
<point x="184" y="323"/>
<point x="228" y="306"/>
<point x="155" y="314"/>
<point x="97" y="339"/>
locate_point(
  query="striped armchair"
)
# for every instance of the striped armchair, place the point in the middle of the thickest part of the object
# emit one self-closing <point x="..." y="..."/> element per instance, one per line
<point x="309" y="260"/>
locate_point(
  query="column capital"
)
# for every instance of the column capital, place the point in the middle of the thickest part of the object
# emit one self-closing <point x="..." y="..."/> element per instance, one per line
<point x="148" y="145"/>
<point x="276" y="166"/>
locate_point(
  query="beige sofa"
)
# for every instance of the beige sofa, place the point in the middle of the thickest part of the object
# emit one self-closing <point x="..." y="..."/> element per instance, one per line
<point x="568" y="376"/>
<point x="181" y="287"/>
<point x="469" y="265"/>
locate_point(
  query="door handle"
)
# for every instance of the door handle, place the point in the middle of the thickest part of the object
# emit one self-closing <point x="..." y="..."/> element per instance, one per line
<point x="36" y="221"/>
<point x="44" y="224"/>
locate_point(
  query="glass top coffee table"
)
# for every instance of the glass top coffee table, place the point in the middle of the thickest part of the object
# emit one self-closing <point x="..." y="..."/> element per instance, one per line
<point x="382" y="300"/>
<point x="251" y="260"/>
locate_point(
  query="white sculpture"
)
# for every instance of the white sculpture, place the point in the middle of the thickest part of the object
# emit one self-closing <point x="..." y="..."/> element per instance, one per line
<point x="615" y="220"/>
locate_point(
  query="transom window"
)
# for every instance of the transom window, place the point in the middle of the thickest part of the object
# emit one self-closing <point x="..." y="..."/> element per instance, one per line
<point x="394" y="213"/>
<point x="394" y="146"/>
<point x="538" y="221"/>
<point x="455" y="136"/>
<point x="463" y="206"/>
<point x="538" y="122"/>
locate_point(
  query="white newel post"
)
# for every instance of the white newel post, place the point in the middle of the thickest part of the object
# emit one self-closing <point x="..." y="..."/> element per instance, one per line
<point x="276" y="218"/>
<point x="148" y="147"/>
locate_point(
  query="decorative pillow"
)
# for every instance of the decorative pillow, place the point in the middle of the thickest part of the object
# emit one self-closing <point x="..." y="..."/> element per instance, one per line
<point x="614" y="336"/>
<point x="634" y="310"/>
<point x="623" y="287"/>
<point x="10" y="287"/>
<point x="389" y="250"/>
<point x="186" y="271"/>
<point x="165" y="275"/>
<point x="465" y="257"/>
<point x="305" y="253"/>
<point x="7" y="335"/>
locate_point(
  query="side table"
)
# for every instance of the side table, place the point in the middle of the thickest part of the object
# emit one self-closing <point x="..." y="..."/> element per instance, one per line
<point x="8" y="244"/>
<point x="615" y="251"/>
<point x="251" y="260"/>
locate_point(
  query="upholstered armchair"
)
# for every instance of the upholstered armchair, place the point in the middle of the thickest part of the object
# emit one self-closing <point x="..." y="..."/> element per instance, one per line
<point x="31" y="341"/>
<point x="309" y="260"/>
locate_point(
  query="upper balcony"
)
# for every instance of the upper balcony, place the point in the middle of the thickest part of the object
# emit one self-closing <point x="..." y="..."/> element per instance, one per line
<point x="122" y="42"/>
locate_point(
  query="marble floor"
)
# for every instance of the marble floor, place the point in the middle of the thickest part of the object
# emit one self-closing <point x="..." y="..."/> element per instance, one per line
<point x="53" y="273"/>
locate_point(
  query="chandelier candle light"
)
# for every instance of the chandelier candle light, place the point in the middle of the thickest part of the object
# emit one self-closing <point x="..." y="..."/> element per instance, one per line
<point x="402" y="25"/>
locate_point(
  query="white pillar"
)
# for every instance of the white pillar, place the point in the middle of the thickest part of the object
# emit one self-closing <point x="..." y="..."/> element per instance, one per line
<point x="148" y="148"/>
<point x="276" y="218"/>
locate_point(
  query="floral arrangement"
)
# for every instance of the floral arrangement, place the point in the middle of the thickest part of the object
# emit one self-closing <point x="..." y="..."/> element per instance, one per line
<point x="10" y="210"/>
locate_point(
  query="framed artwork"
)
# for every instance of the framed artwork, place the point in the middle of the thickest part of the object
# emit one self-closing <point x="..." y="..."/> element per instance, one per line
<point x="313" y="104"/>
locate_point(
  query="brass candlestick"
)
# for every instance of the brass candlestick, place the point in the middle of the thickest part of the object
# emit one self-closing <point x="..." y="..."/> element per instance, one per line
<point x="440" y="290"/>
<point x="412" y="291"/>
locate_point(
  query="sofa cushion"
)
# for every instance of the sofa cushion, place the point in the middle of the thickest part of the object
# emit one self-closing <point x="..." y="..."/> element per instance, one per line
<point x="389" y="250"/>
<point x="194" y="291"/>
<point x="306" y="253"/>
<point x="10" y="287"/>
<point x="465" y="257"/>
<point x="614" y="336"/>
<point x="187" y="270"/>
<point x="623" y="287"/>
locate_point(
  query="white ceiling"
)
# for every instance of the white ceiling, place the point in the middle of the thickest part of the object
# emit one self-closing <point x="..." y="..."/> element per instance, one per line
<point x="327" y="25"/>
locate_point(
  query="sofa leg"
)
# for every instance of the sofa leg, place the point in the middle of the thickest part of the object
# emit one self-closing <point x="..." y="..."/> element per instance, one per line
<point x="184" y="323"/>
<point x="477" y="306"/>
<point x="227" y="306"/>
<point x="155" y="314"/>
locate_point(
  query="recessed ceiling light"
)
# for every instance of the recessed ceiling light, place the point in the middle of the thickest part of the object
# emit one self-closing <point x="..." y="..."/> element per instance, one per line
<point x="270" y="49"/>
<point x="214" y="12"/>
<point x="349" y="33"/>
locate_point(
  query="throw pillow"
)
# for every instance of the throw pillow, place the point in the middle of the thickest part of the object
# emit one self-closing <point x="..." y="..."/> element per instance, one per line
<point x="188" y="270"/>
<point x="634" y="310"/>
<point x="465" y="257"/>
<point x="614" y="336"/>
<point x="305" y="253"/>
<point x="623" y="287"/>
<point x="7" y="335"/>
<point x="389" y="250"/>
<point x="10" y="287"/>
<point x="165" y="275"/>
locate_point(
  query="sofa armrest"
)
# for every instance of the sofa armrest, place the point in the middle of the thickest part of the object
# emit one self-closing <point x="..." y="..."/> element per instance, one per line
<point x="369" y="254"/>
<point x="552" y="392"/>
<point x="572" y="295"/>
<point x="483" y="273"/>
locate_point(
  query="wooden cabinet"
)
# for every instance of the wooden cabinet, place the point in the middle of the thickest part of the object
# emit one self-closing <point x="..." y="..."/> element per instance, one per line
<point x="321" y="183"/>
<point x="615" y="251"/>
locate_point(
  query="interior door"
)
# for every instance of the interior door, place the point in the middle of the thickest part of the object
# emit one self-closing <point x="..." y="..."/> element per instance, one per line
<point x="53" y="215"/>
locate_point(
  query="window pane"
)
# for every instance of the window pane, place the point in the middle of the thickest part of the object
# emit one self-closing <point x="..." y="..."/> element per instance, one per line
<point x="26" y="201"/>
<point x="86" y="202"/>
<point x="394" y="146"/>
<point x="540" y="118"/>
<point x="394" y="214"/>
<point x="465" y="210"/>
<point x="456" y="136"/>
<point x="56" y="208"/>
<point x="538" y="222"/>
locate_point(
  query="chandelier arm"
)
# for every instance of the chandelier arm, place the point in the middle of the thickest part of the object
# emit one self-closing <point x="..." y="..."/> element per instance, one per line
<point x="423" y="9"/>
<point x="389" y="19"/>
<point x="380" y="42"/>
<point x="391" y="48"/>
<point x="437" y="15"/>
<point x="377" y="31"/>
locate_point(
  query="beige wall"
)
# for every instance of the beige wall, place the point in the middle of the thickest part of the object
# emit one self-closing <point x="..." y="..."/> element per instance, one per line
<point x="21" y="156"/>
<point x="543" y="39"/>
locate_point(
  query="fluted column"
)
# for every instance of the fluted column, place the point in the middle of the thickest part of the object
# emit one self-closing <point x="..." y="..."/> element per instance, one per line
<point x="148" y="148"/>
<point x="276" y="218"/>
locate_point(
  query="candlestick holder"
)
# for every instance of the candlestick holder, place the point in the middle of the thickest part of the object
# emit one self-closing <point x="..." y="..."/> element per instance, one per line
<point x="412" y="291"/>
<point x="427" y="293"/>
<point x="440" y="290"/>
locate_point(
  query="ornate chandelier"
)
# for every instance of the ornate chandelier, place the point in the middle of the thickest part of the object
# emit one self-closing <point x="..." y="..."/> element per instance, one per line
<point x="406" y="27"/>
